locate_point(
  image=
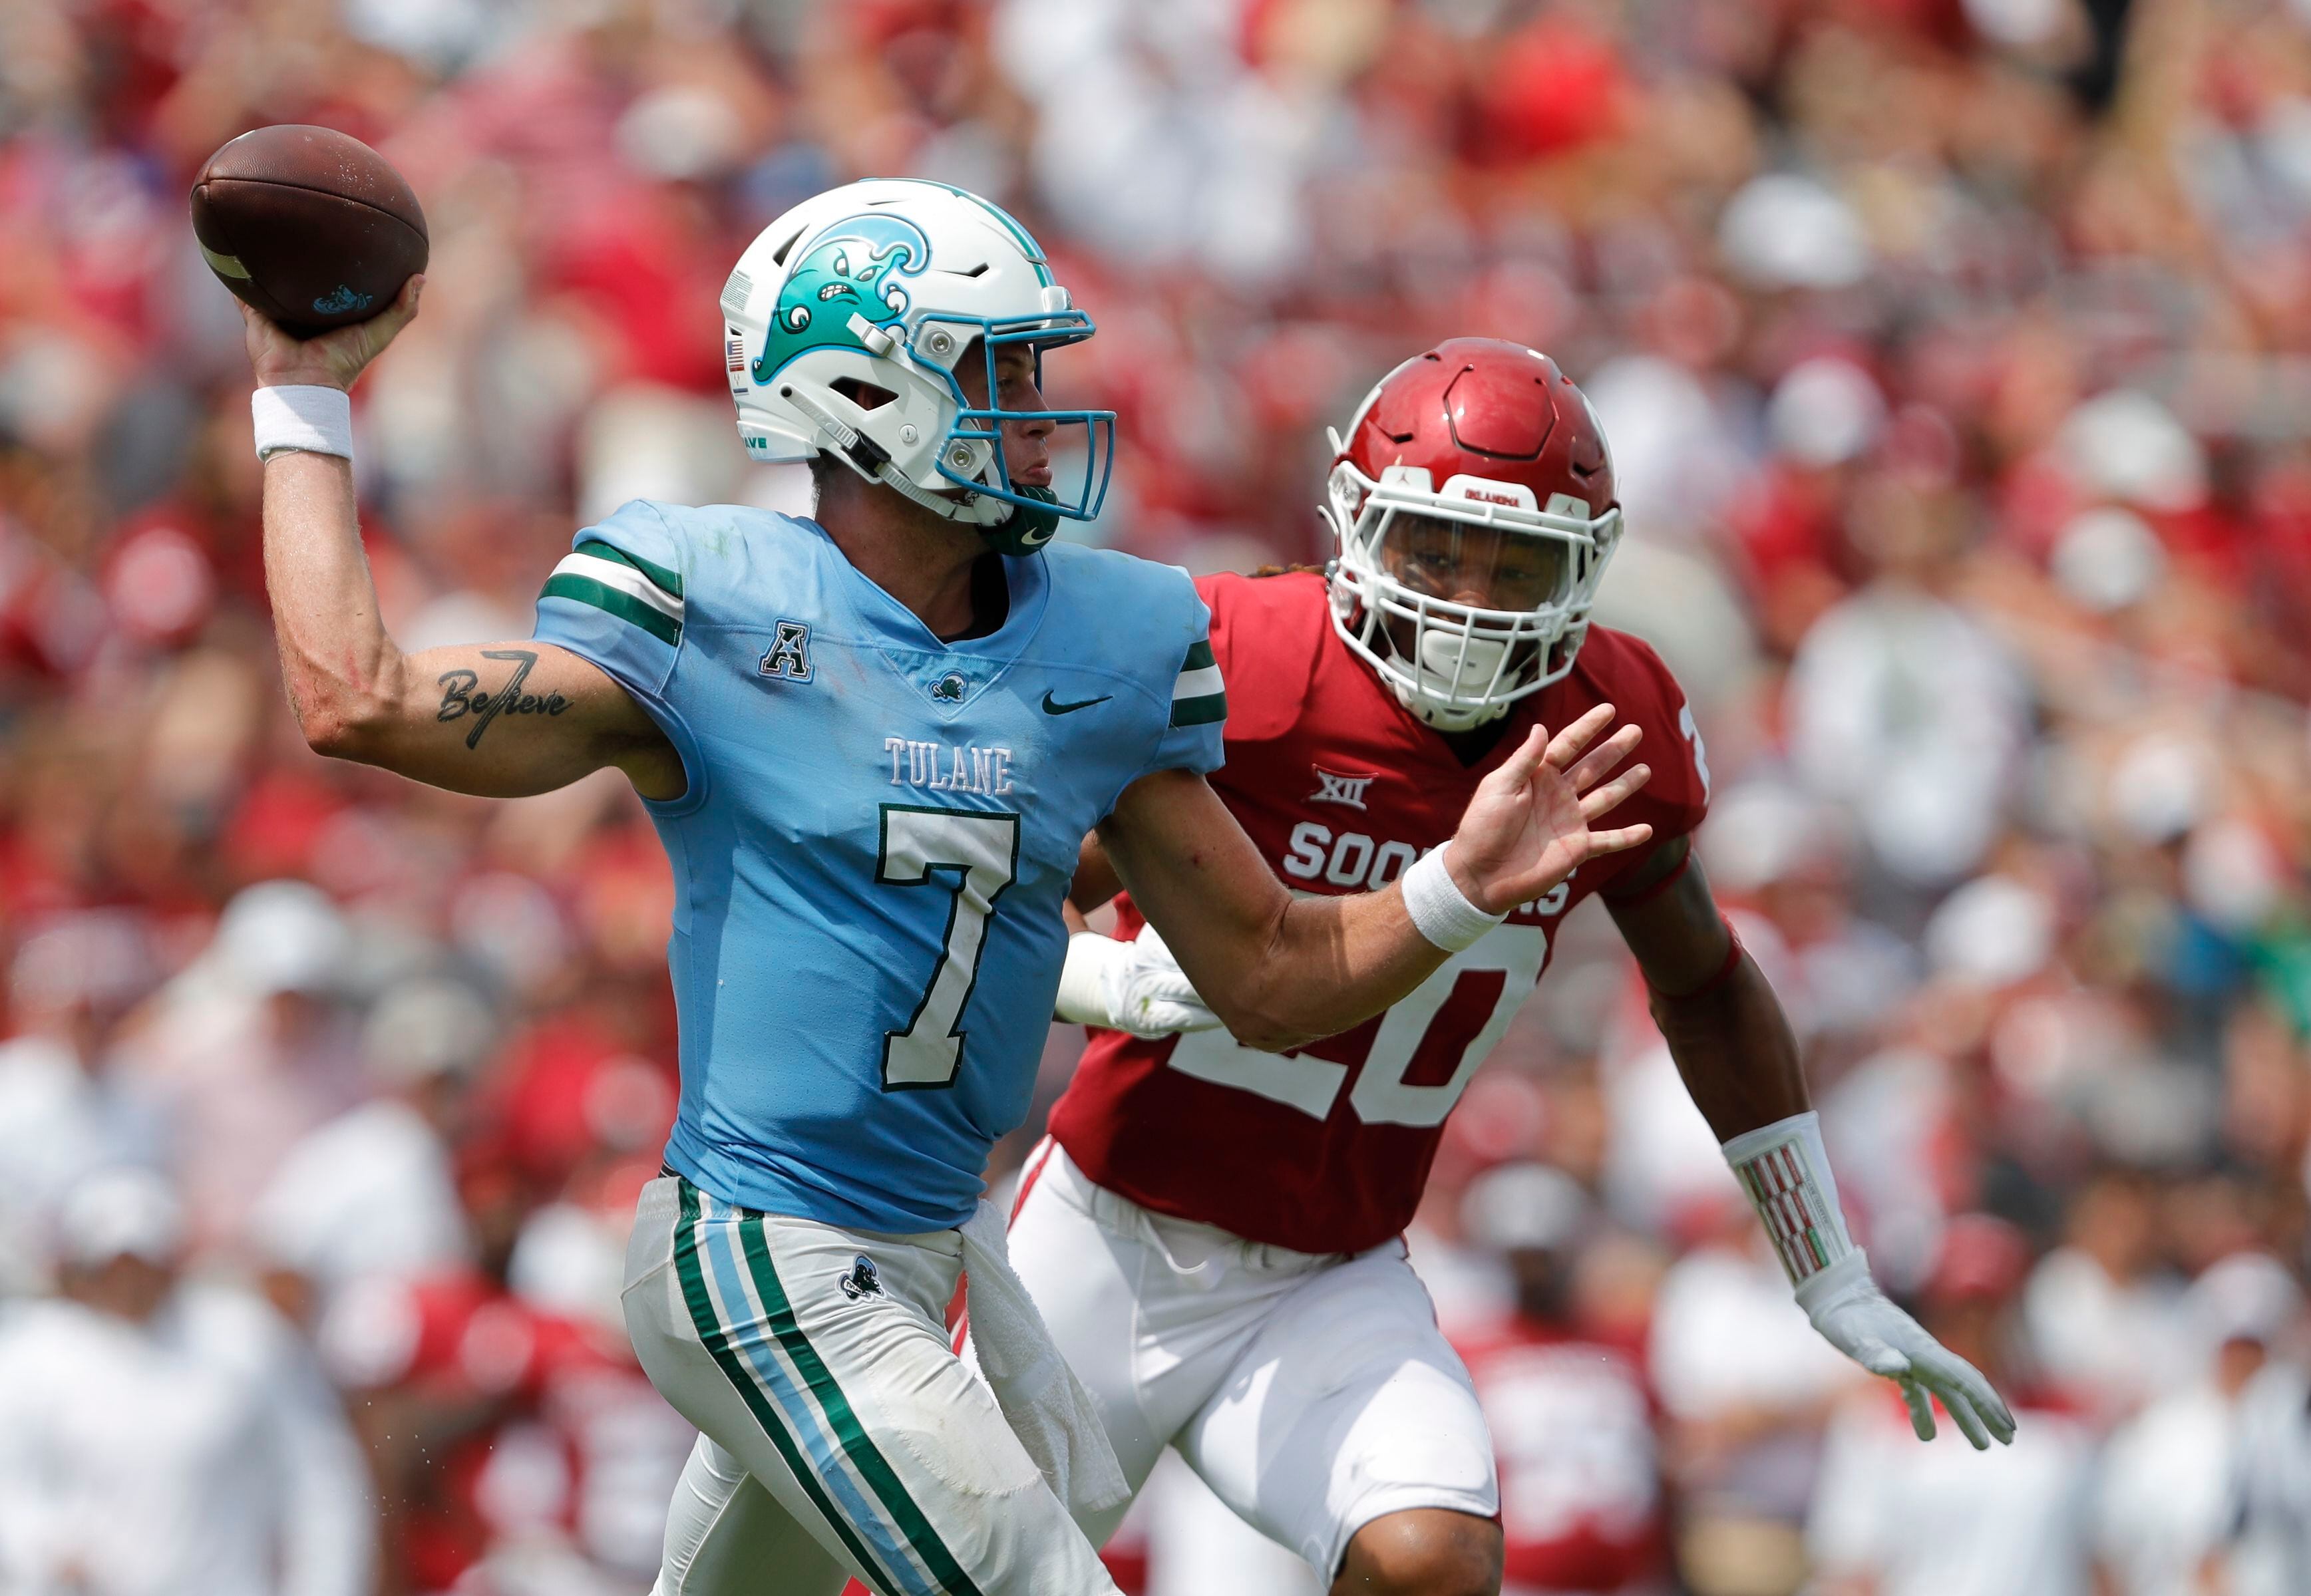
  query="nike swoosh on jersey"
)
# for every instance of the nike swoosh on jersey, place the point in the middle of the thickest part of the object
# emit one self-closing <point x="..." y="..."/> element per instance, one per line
<point x="1052" y="706"/>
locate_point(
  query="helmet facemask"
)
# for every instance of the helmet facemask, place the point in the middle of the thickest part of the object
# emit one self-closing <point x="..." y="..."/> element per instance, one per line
<point x="1412" y="559"/>
<point x="972" y="455"/>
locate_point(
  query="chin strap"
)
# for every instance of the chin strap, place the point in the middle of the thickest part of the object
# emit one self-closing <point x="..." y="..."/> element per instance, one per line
<point x="1009" y="529"/>
<point x="871" y="459"/>
<point x="888" y="473"/>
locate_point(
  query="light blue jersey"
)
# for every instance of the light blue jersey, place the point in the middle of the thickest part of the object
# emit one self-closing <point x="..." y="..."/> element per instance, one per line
<point x="878" y="831"/>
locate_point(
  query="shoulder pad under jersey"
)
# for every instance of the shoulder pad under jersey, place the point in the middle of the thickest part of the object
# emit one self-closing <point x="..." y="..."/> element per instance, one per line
<point x="1626" y="672"/>
<point x="1267" y="632"/>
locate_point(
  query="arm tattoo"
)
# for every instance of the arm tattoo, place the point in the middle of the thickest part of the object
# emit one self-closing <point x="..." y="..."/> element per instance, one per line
<point x="461" y="694"/>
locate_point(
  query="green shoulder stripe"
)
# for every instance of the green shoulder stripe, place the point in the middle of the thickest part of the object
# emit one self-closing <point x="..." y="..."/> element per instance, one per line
<point x="1199" y="712"/>
<point x="1199" y="655"/>
<point x="668" y="582"/>
<point x="585" y="590"/>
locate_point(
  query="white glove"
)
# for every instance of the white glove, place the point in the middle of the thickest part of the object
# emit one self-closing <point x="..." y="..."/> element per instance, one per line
<point x="1854" y="1316"/>
<point x="1785" y="1171"/>
<point x="1129" y="986"/>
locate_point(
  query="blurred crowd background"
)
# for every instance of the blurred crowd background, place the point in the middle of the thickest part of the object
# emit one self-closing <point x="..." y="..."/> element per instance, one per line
<point x="1954" y="357"/>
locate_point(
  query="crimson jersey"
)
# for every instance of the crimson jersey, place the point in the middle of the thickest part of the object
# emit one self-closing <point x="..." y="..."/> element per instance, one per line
<point x="545" y="1424"/>
<point x="1575" y="1435"/>
<point x="1325" y="1149"/>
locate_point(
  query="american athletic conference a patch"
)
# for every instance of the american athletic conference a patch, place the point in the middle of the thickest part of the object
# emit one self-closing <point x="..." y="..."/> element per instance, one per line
<point x="788" y="655"/>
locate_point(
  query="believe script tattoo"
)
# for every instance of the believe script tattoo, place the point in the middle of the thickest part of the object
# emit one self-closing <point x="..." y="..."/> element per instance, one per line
<point x="461" y="696"/>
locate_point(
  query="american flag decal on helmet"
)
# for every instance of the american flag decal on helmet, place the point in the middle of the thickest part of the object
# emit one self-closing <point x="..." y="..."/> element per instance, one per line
<point x="733" y="354"/>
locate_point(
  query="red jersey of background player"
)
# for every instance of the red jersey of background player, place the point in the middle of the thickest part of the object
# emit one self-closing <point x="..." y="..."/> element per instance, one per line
<point x="1575" y="1429"/>
<point x="1325" y="1149"/>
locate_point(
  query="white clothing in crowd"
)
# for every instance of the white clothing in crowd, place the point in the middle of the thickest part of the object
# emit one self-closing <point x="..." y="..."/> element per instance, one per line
<point x="1905" y="708"/>
<point x="198" y="1452"/>
<point x="2166" y="1498"/>
<point x="2173" y="1477"/>
<point x="370" y="1192"/>
<point x="57" y="1125"/>
<point x="1727" y="1337"/>
<point x="2270" y="1486"/>
<point x="249" y="1048"/>
<point x="1942" y="1519"/>
<point x="2118" y="1341"/>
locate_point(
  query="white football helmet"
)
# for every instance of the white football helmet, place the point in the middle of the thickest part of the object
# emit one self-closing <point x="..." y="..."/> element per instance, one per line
<point x="844" y="322"/>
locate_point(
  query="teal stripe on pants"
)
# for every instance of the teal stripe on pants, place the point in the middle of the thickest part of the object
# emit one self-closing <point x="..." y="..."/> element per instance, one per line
<point x="872" y="1466"/>
<point x="717" y="1342"/>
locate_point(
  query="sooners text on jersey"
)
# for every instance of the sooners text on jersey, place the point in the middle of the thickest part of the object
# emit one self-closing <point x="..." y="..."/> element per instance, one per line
<point x="1325" y="1149"/>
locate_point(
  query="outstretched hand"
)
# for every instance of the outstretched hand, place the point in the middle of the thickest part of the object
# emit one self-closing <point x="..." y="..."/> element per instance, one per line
<point x="1856" y="1317"/>
<point x="1531" y="822"/>
<point x="333" y="359"/>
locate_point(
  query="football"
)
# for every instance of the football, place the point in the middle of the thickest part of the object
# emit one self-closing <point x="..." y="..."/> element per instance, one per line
<point x="309" y="225"/>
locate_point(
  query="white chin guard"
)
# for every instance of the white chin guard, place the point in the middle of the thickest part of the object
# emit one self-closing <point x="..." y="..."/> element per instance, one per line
<point x="1452" y="665"/>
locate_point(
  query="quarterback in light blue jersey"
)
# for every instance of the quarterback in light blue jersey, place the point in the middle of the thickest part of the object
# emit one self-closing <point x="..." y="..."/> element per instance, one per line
<point x="869" y="860"/>
<point x="872" y="742"/>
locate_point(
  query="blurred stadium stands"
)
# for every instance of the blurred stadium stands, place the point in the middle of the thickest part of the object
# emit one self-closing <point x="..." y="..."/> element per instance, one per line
<point x="1956" y="356"/>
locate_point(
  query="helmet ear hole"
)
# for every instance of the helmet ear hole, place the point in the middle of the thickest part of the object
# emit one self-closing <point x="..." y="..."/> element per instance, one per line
<point x="864" y="395"/>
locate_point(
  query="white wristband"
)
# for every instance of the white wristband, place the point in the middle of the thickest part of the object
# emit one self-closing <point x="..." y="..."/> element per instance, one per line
<point x="1441" y="912"/>
<point x="1785" y="1170"/>
<point x="315" y="419"/>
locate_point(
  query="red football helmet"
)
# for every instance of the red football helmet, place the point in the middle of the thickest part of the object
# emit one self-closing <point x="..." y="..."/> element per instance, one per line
<point x="1473" y="500"/>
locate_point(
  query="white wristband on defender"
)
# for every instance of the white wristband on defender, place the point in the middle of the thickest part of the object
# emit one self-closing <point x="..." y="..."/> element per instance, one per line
<point x="315" y="419"/>
<point x="1440" y="909"/>
<point x="1785" y="1170"/>
<point x="1083" y="981"/>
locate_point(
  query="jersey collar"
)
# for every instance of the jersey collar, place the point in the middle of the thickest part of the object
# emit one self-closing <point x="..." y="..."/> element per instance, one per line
<point x="895" y="625"/>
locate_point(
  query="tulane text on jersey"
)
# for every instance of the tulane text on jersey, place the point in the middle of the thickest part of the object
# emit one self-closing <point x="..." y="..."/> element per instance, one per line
<point x="878" y="830"/>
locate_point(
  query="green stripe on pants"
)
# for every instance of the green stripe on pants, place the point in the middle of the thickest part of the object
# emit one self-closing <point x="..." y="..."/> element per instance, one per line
<point x="870" y="1463"/>
<point x="711" y="1333"/>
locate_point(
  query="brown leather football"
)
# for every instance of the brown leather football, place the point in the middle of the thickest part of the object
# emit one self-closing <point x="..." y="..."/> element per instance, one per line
<point x="309" y="225"/>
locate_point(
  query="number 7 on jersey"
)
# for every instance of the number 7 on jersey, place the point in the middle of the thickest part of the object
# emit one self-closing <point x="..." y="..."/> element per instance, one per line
<point x="983" y="850"/>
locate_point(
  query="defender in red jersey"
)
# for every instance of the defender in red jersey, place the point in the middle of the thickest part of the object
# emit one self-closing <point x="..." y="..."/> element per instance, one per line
<point x="1212" y="1231"/>
<point x="1326" y="1149"/>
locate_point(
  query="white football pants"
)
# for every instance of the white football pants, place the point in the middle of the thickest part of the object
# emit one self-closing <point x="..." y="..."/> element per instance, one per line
<point x="1312" y="1393"/>
<point x="839" y="1434"/>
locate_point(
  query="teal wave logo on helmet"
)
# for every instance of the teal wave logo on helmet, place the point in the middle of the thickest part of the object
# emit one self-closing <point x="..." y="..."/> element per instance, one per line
<point x="852" y="269"/>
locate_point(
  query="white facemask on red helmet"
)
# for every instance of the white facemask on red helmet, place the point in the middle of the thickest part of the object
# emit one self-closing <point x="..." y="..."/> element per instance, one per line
<point x="1473" y="501"/>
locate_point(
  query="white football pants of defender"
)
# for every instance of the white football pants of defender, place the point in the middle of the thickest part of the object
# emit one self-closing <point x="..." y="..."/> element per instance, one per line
<point x="1312" y="1393"/>
<point x="839" y="1434"/>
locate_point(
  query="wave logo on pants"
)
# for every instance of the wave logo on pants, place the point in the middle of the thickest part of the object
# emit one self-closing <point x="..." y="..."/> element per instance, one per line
<point x="862" y="1280"/>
